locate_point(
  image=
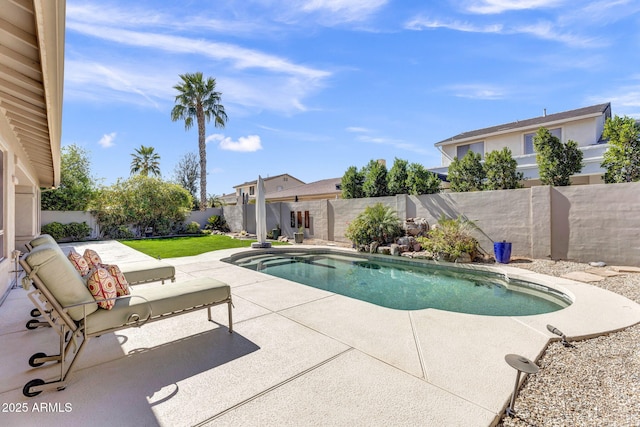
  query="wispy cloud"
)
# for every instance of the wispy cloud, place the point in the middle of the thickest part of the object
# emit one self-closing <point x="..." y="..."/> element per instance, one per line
<point x="244" y="144"/>
<point x="372" y="137"/>
<point x="341" y="11"/>
<point x="420" y="23"/>
<point x="501" y="6"/>
<point x="107" y="140"/>
<point x="545" y="30"/>
<point x="477" y="91"/>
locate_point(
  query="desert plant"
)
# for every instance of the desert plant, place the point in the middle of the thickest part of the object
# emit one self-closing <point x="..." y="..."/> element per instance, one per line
<point x="377" y="223"/>
<point x="217" y="222"/>
<point x="450" y="239"/>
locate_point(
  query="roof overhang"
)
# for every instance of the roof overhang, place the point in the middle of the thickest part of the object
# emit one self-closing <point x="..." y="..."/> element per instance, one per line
<point x="31" y="80"/>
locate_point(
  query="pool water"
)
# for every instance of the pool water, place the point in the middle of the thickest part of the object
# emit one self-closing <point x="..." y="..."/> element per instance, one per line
<point x="409" y="286"/>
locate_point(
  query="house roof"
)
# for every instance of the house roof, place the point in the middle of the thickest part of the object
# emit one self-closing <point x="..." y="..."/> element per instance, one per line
<point x="549" y="119"/>
<point x="31" y="81"/>
<point x="255" y="181"/>
<point x="324" y="186"/>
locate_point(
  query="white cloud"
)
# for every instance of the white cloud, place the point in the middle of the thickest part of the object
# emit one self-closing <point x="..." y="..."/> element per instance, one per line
<point x="357" y="129"/>
<point x="344" y="10"/>
<point x="371" y="137"/>
<point x="245" y="144"/>
<point x="420" y="23"/>
<point x="499" y="6"/>
<point x="107" y="140"/>
<point x="477" y="91"/>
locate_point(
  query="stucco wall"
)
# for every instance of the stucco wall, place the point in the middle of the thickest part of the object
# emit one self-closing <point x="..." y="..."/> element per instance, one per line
<point x="582" y="223"/>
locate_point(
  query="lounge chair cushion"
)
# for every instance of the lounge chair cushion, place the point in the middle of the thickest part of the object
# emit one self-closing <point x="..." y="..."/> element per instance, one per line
<point x="92" y="257"/>
<point x="62" y="279"/>
<point x="147" y="271"/>
<point x="122" y="286"/>
<point x="157" y="301"/>
<point x="42" y="240"/>
<point x="79" y="262"/>
<point x="103" y="287"/>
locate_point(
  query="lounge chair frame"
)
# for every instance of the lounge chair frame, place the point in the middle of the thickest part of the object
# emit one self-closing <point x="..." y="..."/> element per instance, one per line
<point x="73" y="335"/>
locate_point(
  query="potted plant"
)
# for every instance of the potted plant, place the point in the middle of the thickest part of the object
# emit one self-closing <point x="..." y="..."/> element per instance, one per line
<point x="299" y="235"/>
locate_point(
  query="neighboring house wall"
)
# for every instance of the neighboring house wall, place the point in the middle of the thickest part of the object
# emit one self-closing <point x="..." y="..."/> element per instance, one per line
<point x="585" y="223"/>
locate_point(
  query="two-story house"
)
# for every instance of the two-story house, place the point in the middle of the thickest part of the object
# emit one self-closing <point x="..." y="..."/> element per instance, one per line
<point x="583" y="125"/>
<point x="247" y="190"/>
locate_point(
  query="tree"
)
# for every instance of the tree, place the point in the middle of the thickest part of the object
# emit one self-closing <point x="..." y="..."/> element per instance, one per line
<point x="622" y="159"/>
<point x="375" y="179"/>
<point x="76" y="187"/>
<point x="397" y="178"/>
<point x="145" y="162"/>
<point x="197" y="99"/>
<point x="466" y="174"/>
<point x="500" y="169"/>
<point x="556" y="161"/>
<point x="422" y="181"/>
<point x="187" y="172"/>
<point x="142" y="202"/>
<point x="351" y="183"/>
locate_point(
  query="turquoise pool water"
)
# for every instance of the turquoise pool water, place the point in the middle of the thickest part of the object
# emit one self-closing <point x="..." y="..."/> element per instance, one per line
<point x="409" y="286"/>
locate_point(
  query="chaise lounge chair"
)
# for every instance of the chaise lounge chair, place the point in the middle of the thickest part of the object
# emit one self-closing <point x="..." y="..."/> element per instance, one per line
<point x="62" y="296"/>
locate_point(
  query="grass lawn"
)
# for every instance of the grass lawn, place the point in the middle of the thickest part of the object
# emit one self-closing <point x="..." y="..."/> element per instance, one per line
<point x="174" y="247"/>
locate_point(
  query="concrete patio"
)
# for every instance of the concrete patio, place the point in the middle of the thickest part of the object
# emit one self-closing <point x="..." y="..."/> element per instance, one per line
<point x="298" y="356"/>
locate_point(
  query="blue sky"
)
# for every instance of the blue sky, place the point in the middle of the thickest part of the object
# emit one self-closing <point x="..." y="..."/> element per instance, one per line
<point x="312" y="87"/>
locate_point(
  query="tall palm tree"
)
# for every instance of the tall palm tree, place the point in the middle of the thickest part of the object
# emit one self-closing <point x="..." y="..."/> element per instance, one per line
<point x="197" y="98"/>
<point x="145" y="161"/>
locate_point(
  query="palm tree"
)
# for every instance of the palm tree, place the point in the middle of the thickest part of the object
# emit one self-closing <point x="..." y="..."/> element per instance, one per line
<point x="198" y="98"/>
<point x="145" y="161"/>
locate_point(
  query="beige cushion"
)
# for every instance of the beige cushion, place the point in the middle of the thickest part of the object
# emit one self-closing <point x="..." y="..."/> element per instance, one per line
<point x="147" y="271"/>
<point x="78" y="262"/>
<point x="161" y="300"/>
<point x="41" y="240"/>
<point x="62" y="279"/>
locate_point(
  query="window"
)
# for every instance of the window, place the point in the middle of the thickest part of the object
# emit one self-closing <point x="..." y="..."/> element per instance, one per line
<point x="252" y="190"/>
<point x="476" y="147"/>
<point x="528" y="139"/>
<point x="2" y="196"/>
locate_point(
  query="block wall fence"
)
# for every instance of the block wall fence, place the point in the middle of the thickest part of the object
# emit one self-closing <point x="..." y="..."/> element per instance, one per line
<point x="582" y="223"/>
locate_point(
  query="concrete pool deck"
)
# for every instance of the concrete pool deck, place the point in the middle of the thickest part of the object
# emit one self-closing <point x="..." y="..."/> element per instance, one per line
<point x="298" y="356"/>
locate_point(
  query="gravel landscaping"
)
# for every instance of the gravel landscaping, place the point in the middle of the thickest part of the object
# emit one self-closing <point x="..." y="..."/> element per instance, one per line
<point x="594" y="383"/>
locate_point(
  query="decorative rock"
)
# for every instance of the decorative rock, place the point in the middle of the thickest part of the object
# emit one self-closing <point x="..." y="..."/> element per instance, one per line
<point x="404" y="248"/>
<point x="373" y="247"/>
<point x="417" y="247"/>
<point x="385" y="250"/>
<point x="416" y="226"/>
<point x="395" y="250"/>
<point x="598" y="264"/>
<point x="464" y="258"/>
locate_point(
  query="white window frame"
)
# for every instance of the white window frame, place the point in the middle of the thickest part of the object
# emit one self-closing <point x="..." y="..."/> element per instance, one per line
<point x="476" y="147"/>
<point x="527" y="147"/>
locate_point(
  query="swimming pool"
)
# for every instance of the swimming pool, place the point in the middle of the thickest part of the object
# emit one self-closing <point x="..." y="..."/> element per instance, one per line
<point x="406" y="284"/>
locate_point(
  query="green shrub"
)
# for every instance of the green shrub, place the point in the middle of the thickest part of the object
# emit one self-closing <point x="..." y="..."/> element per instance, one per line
<point x="217" y="222"/>
<point x="73" y="230"/>
<point x="377" y="223"/>
<point x="55" y="229"/>
<point x="193" y="228"/>
<point x="77" y="230"/>
<point x="450" y="239"/>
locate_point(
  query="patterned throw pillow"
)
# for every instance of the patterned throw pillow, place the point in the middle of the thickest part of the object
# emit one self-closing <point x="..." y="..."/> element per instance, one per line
<point x="92" y="257"/>
<point x="79" y="262"/>
<point x="122" y="286"/>
<point x="102" y="285"/>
